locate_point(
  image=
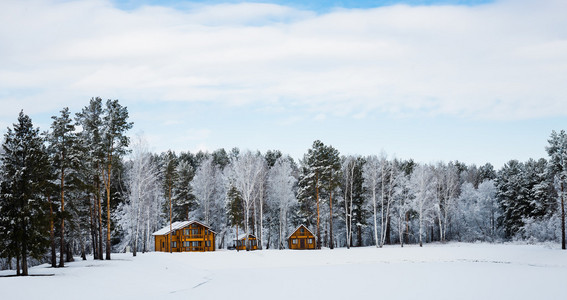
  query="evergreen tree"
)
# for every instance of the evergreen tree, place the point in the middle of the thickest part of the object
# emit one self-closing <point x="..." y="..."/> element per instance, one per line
<point x="235" y="208"/>
<point x="61" y="145"/>
<point x="557" y="151"/>
<point x="24" y="218"/>
<point x="183" y="199"/>
<point x="170" y="177"/>
<point x="92" y="156"/>
<point x="115" y="142"/>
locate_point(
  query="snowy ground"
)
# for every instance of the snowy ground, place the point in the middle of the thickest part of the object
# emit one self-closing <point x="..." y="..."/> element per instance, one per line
<point x="451" y="271"/>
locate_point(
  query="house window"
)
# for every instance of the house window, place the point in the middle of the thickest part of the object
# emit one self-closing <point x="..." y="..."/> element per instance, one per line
<point x="186" y="231"/>
<point x="302" y="230"/>
<point x="195" y="244"/>
<point x="294" y="241"/>
<point x="194" y="231"/>
<point x="208" y="243"/>
<point x="173" y="244"/>
<point x="194" y="225"/>
<point x="310" y="241"/>
<point x="163" y="244"/>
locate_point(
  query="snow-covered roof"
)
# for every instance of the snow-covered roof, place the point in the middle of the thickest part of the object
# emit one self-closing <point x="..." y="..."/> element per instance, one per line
<point x="179" y="225"/>
<point x="243" y="236"/>
<point x="298" y="228"/>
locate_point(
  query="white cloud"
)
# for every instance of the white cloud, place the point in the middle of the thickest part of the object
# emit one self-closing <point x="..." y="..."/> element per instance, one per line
<point x="502" y="60"/>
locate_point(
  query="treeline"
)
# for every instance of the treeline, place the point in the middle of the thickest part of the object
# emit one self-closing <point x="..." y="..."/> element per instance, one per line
<point x="58" y="188"/>
<point x="74" y="191"/>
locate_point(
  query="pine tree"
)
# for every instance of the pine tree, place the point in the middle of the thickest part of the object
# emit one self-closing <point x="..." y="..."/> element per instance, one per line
<point x="183" y="199"/>
<point x="24" y="208"/>
<point x="557" y="151"/>
<point x="170" y="177"/>
<point x="115" y="142"/>
<point x="61" y="145"/>
<point x="90" y="142"/>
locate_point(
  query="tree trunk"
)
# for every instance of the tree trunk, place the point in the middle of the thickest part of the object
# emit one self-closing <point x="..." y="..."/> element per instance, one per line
<point x="93" y="229"/>
<point x="69" y="252"/>
<point x="388" y="228"/>
<point x="99" y="204"/>
<point x="170" y="215"/>
<point x="24" y="259"/>
<point x="331" y="242"/>
<point x="108" y="206"/>
<point x="52" y="235"/>
<point x="318" y="218"/>
<point x="375" y="215"/>
<point x="62" y="238"/>
<point x="562" y="218"/>
<point x="18" y="264"/>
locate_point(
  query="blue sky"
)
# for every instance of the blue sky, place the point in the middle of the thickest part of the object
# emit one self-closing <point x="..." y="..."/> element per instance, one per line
<point x="319" y="6"/>
<point x="475" y="81"/>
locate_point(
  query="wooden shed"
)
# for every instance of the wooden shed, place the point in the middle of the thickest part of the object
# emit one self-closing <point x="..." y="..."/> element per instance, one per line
<point x="240" y="242"/>
<point x="301" y="238"/>
<point x="186" y="236"/>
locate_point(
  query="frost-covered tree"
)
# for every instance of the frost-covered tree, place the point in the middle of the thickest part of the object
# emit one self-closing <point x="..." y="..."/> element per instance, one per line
<point x="204" y="186"/>
<point x="371" y="175"/>
<point x="423" y="190"/>
<point x="478" y="212"/>
<point x="446" y="180"/>
<point x="246" y="176"/>
<point x="353" y="197"/>
<point x="525" y="191"/>
<point x="142" y="184"/>
<point x="557" y="151"/>
<point x="401" y="200"/>
<point x="280" y="194"/>
<point x="24" y="221"/>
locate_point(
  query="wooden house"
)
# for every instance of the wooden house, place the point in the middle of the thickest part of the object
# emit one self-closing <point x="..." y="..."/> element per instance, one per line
<point x="186" y="236"/>
<point x="302" y="238"/>
<point x="240" y="242"/>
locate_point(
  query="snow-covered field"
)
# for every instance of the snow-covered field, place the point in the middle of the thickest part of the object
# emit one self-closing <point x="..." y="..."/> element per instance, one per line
<point x="450" y="271"/>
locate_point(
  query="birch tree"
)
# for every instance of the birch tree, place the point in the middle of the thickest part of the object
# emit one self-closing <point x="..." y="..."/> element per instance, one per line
<point x="246" y="172"/>
<point x="280" y="194"/>
<point x="422" y="188"/>
<point x="371" y="174"/>
<point x="142" y="180"/>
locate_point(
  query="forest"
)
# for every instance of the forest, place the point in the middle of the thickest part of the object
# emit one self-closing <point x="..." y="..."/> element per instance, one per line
<point x="86" y="188"/>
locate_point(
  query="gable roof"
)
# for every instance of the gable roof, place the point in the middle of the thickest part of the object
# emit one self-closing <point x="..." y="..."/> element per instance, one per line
<point x="243" y="236"/>
<point x="179" y="225"/>
<point x="298" y="229"/>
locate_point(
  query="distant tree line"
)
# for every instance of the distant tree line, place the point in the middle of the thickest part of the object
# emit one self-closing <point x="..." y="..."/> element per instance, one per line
<point x="74" y="191"/>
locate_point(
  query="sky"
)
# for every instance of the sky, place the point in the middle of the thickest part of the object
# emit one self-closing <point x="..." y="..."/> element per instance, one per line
<point x="474" y="81"/>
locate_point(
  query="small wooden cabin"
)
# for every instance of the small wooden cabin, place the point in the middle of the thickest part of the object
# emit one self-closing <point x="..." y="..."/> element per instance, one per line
<point x="186" y="236"/>
<point x="240" y="242"/>
<point x="302" y="238"/>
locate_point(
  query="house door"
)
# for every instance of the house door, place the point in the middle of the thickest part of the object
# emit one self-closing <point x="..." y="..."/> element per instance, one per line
<point x="302" y="243"/>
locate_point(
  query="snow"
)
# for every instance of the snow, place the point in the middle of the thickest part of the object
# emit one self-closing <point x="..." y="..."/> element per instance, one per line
<point x="174" y="226"/>
<point x="436" y="271"/>
<point x="243" y="236"/>
<point x="179" y="225"/>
